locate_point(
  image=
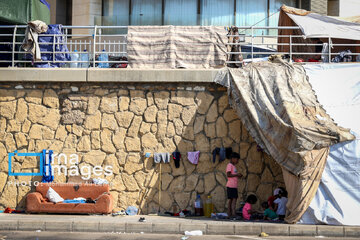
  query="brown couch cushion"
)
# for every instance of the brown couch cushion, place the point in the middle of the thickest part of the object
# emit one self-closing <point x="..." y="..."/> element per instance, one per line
<point x="68" y="190"/>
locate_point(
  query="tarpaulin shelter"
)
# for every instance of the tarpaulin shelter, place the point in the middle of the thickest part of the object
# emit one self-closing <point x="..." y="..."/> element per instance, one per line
<point x="23" y="11"/>
<point x="313" y="25"/>
<point x="278" y="106"/>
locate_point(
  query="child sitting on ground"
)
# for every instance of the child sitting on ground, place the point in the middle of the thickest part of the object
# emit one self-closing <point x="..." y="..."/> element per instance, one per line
<point x="280" y="204"/>
<point x="247" y="212"/>
<point x="269" y="214"/>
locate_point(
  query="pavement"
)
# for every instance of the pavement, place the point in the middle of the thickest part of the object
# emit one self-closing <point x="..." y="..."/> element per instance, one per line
<point x="26" y="235"/>
<point x="164" y="225"/>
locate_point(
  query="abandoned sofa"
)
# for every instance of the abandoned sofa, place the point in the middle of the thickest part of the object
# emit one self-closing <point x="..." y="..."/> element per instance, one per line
<point x="36" y="202"/>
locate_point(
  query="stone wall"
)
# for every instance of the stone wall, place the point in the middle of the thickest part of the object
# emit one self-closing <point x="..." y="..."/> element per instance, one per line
<point x="116" y="124"/>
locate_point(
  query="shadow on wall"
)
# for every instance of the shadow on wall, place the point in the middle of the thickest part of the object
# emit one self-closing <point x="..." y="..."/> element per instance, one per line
<point x="116" y="125"/>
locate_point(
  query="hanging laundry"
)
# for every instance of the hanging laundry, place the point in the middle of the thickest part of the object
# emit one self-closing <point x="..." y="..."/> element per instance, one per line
<point x="228" y="152"/>
<point x="158" y="157"/>
<point x="176" y="158"/>
<point x="47" y="173"/>
<point x="214" y="153"/>
<point x="193" y="157"/>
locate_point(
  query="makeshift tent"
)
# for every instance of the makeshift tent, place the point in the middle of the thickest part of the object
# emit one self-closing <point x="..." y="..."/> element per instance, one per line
<point x="338" y="196"/>
<point x="280" y="110"/>
<point x="23" y="11"/>
<point x="313" y="25"/>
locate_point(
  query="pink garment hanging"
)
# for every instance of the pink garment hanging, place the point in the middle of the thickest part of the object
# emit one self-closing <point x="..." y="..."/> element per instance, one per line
<point x="193" y="157"/>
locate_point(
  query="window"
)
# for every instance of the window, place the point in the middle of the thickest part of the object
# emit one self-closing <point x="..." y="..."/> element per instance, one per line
<point x="217" y="12"/>
<point x="181" y="12"/>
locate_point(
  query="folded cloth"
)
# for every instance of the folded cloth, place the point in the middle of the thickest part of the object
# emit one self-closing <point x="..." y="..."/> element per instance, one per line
<point x="193" y="157"/>
<point x="73" y="201"/>
<point x="158" y="157"/>
<point x="176" y="158"/>
<point x="30" y="43"/>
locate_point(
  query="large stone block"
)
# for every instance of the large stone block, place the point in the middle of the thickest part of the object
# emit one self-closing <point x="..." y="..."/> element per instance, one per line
<point x="7" y="109"/>
<point x="93" y="104"/>
<point x="235" y="130"/>
<point x="150" y="114"/>
<point x="118" y="138"/>
<point x="124" y="118"/>
<point x="84" y="144"/>
<point x="219" y="198"/>
<point x="221" y="128"/>
<point x="51" y="99"/>
<point x="210" y="182"/>
<point x="161" y="99"/>
<point x="34" y="96"/>
<point x="124" y="102"/>
<point x="191" y="182"/>
<point x="212" y="114"/>
<point x="223" y="103"/>
<point x="138" y="106"/>
<point x="203" y="100"/>
<point x="94" y="157"/>
<point x="175" y="111"/>
<point x="109" y="104"/>
<point x="230" y="115"/>
<point x="22" y="111"/>
<point x="177" y="185"/>
<point x="166" y="179"/>
<point x="92" y="122"/>
<point x="188" y="115"/>
<point x="184" y="98"/>
<point x="108" y="121"/>
<point x="134" y="127"/>
<point x="202" y="143"/>
<point x="132" y="144"/>
<point x="182" y="199"/>
<point x="130" y="182"/>
<point x="149" y="142"/>
<point x="199" y="124"/>
<point x="106" y="141"/>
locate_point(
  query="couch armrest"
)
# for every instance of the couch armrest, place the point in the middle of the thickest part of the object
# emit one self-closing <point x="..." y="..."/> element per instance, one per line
<point x="105" y="203"/>
<point x="33" y="201"/>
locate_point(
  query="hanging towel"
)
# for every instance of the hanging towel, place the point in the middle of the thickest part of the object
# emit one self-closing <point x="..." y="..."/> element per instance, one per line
<point x="47" y="173"/>
<point x="176" y="158"/>
<point x="193" y="157"/>
<point x="158" y="157"/>
<point x="214" y="153"/>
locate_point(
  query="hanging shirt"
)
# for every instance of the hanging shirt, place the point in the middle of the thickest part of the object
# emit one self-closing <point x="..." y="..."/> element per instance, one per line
<point x="232" y="182"/>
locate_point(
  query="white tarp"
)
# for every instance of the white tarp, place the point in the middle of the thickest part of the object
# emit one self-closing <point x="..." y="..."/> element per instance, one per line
<point x="315" y="25"/>
<point x="337" y="200"/>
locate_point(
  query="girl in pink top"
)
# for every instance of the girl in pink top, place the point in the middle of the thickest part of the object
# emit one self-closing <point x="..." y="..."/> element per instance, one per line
<point x="232" y="183"/>
<point x="247" y="209"/>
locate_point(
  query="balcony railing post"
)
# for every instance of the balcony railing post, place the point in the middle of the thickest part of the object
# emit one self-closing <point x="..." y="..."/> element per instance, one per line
<point x="94" y="45"/>
<point x="290" y="47"/>
<point x="329" y="42"/>
<point x="252" y="42"/>
<point x="13" y="47"/>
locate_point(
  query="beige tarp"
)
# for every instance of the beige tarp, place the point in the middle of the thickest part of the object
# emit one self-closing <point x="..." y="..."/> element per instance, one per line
<point x="279" y="108"/>
<point x="176" y="46"/>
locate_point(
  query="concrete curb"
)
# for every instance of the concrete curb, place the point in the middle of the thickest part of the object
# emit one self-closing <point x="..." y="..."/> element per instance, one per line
<point x="211" y="228"/>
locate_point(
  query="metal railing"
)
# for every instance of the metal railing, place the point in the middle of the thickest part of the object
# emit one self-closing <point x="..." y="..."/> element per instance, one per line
<point x="106" y="46"/>
<point x="70" y="46"/>
<point x="261" y="42"/>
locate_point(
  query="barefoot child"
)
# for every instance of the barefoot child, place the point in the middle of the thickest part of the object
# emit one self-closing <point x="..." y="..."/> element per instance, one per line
<point x="269" y="214"/>
<point x="232" y="183"/>
<point x="247" y="212"/>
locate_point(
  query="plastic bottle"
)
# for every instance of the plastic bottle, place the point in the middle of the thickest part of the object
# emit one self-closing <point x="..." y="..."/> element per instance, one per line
<point x="104" y="57"/>
<point x="209" y="207"/>
<point x="74" y="57"/>
<point x="85" y="59"/>
<point x="199" y="211"/>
